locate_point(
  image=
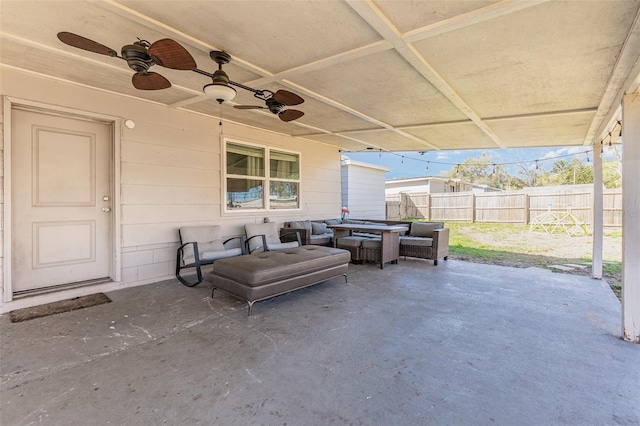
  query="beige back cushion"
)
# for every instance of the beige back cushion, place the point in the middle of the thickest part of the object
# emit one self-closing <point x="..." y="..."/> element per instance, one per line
<point x="424" y="229"/>
<point x="319" y="228"/>
<point x="207" y="237"/>
<point x="301" y="224"/>
<point x="269" y="230"/>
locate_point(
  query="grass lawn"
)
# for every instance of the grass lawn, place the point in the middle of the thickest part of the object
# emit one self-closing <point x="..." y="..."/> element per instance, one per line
<point x="514" y="245"/>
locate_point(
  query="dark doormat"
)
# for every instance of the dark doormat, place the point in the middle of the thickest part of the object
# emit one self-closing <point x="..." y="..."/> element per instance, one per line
<point x="58" y="307"/>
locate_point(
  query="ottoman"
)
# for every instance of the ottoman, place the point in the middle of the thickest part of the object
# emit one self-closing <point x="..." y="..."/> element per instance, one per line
<point x="261" y="276"/>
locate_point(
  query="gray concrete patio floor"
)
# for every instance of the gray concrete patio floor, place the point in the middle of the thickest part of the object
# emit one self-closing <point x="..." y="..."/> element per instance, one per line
<point x="453" y="344"/>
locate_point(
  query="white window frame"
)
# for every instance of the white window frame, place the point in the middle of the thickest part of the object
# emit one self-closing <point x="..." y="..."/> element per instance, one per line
<point x="266" y="178"/>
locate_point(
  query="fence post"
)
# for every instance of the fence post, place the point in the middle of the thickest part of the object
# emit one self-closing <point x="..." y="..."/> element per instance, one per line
<point x="527" y="209"/>
<point x="473" y="207"/>
<point x="403" y="205"/>
<point x="428" y="209"/>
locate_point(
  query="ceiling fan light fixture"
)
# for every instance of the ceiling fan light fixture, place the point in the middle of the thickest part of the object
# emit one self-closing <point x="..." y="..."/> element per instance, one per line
<point x="219" y="92"/>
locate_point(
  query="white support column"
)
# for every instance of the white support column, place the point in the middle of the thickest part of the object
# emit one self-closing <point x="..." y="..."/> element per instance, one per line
<point x="598" y="241"/>
<point x="631" y="217"/>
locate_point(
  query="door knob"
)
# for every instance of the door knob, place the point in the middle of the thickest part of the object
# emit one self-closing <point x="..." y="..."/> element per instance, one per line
<point x="106" y="209"/>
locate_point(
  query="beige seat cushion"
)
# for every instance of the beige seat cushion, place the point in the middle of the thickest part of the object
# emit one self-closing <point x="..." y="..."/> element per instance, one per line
<point x="350" y="241"/>
<point x="270" y="231"/>
<point x="416" y="241"/>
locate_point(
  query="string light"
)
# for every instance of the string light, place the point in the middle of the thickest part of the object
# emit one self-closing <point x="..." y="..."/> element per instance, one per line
<point x="536" y="161"/>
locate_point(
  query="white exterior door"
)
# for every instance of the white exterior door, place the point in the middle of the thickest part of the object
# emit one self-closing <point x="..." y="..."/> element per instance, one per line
<point x="61" y="200"/>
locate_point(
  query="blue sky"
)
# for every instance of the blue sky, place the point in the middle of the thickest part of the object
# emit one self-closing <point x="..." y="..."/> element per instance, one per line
<point x="414" y="164"/>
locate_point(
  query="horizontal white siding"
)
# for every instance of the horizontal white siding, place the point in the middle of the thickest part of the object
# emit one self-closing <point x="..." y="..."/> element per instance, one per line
<point x="170" y="171"/>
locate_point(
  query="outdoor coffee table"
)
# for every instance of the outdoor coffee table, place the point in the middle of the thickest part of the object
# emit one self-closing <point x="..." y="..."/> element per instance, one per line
<point x="389" y="243"/>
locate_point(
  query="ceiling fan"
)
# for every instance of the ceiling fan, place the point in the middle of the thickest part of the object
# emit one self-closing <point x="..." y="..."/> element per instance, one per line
<point x="220" y="90"/>
<point x="140" y="56"/>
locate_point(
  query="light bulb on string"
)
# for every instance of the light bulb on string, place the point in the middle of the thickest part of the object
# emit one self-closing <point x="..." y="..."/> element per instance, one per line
<point x="587" y="154"/>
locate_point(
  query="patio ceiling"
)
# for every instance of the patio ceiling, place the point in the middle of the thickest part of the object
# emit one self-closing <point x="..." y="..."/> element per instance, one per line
<point x="384" y="74"/>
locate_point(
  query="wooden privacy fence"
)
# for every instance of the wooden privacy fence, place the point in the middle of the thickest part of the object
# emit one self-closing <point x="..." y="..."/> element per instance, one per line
<point x="500" y="207"/>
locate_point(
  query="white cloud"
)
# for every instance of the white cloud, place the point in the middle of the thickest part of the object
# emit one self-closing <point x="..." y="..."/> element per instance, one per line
<point x="442" y="156"/>
<point x="565" y="151"/>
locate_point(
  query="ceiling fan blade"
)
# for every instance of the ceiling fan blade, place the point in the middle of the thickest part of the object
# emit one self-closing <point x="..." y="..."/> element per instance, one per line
<point x="80" y="42"/>
<point x="172" y="55"/>
<point x="150" y="81"/>
<point x="290" y="115"/>
<point x="287" y="98"/>
<point x="249" y="107"/>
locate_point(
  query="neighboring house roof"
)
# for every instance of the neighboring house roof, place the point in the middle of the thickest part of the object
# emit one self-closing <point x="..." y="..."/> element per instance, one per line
<point x="346" y="161"/>
<point x="426" y="179"/>
<point x="393" y="184"/>
<point x="487" y="188"/>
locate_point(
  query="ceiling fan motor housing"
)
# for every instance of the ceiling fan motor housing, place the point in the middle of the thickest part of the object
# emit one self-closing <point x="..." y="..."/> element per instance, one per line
<point x="137" y="57"/>
<point x="274" y="106"/>
<point x="220" y="77"/>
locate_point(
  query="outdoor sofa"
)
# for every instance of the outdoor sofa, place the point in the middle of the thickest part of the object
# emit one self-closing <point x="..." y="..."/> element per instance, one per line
<point x="310" y="232"/>
<point x="424" y="240"/>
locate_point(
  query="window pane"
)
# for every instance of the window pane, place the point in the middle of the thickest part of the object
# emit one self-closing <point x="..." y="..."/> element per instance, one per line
<point x="245" y="160"/>
<point x="284" y="165"/>
<point x="244" y="194"/>
<point x="283" y="195"/>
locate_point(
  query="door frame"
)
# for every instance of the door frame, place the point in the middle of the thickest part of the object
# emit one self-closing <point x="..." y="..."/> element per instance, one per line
<point x="9" y="103"/>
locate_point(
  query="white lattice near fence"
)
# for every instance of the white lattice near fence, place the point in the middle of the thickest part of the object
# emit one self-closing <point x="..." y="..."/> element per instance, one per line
<point x="559" y="219"/>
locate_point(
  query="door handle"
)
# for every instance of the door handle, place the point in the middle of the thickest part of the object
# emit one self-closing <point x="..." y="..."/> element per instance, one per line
<point x="106" y="209"/>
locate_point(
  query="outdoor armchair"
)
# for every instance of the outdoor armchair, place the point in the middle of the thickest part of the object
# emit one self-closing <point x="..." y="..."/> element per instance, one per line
<point x="265" y="237"/>
<point x="202" y="245"/>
